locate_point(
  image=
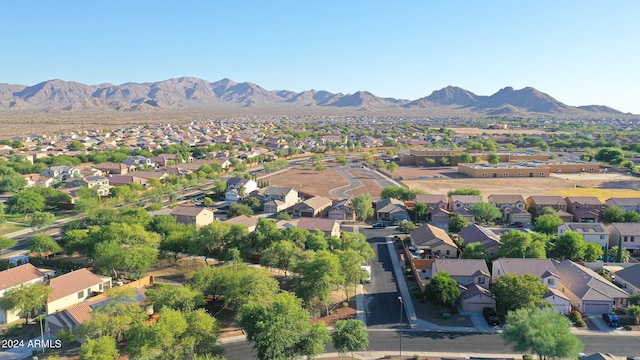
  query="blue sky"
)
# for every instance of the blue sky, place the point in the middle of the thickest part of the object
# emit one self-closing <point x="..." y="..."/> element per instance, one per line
<point x="580" y="52"/>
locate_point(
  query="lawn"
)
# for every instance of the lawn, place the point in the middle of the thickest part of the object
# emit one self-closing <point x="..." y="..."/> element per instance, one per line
<point x="8" y="228"/>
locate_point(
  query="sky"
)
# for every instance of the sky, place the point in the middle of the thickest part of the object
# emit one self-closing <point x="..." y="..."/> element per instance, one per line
<point x="581" y="52"/>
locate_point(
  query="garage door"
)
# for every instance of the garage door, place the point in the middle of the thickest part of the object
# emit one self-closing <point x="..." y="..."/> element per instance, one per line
<point x="476" y="306"/>
<point x="596" y="308"/>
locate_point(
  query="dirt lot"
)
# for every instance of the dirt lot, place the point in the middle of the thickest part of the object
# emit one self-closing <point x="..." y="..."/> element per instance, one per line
<point x="476" y="131"/>
<point x="600" y="185"/>
<point x="321" y="183"/>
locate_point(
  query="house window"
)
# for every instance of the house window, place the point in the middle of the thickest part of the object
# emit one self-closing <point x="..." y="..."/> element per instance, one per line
<point x="624" y="239"/>
<point x="632" y="238"/>
<point x="100" y="287"/>
<point x="506" y="174"/>
<point x="541" y="174"/>
<point x="551" y="281"/>
<point x="481" y="280"/>
<point x="81" y="294"/>
<point x="601" y="237"/>
<point x="447" y="252"/>
<point x="520" y="174"/>
<point x="484" y="175"/>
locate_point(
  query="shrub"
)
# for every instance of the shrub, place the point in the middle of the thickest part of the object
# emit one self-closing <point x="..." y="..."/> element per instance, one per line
<point x="575" y="316"/>
<point x="410" y="277"/>
<point x="580" y="323"/>
<point x="527" y="357"/>
<point x="627" y="327"/>
<point x="407" y="271"/>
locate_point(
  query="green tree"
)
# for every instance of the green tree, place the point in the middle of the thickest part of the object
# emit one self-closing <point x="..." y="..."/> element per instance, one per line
<point x="349" y="336"/>
<point x="391" y="167"/>
<point x="7" y="243"/>
<point x="631" y="217"/>
<point x="75" y="145"/>
<point x="485" y="212"/>
<point x="545" y="332"/>
<point x="475" y="250"/>
<point x="421" y="210"/>
<point x="102" y="348"/>
<point x="613" y="214"/>
<point x="12" y="182"/>
<point x="362" y="206"/>
<point x="26" y="202"/>
<point x="592" y="252"/>
<point x="548" y="223"/>
<point x="237" y="209"/>
<point x="283" y="215"/>
<point x="41" y="220"/>
<point x="519" y="291"/>
<point x="464" y="191"/>
<point x="3" y="218"/>
<point x="494" y="159"/>
<point x="281" y="330"/>
<point x="351" y="272"/>
<point x="26" y="300"/>
<point x="518" y="244"/>
<point x="619" y="254"/>
<point x="182" y="298"/>
<point x="570" y="245"/>
<point x="406" y="227"/>
<point x="319" y="274"/>
<point x="88" y="200"/>
<point x="367" y="157"/>
<point x="457" y="222"/>
<point x="42" y="244"/>
<point x="442" y="289"/>
<point x="281" y="255"/>
<point x="634" y="312"/>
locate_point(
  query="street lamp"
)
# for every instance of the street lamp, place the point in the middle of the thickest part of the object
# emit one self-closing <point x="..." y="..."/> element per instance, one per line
<point x="401" y="305"/>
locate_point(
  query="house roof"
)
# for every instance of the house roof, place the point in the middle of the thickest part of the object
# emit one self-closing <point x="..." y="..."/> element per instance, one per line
<point x="624" y="202"/>
<point x="475" y="290"/>
<point x="243" y="220"/>
<point x="476" y="233"/>
<point x="277" y="190"/>
<point x="430" y="198"/>
<point x="601" y="356"/>
<point x="317" y="202"/>
<point x="236" y="181"/>
<point x="630" y="274"/>
<point x="429" y="236"/>
<point x="18" y="275"/>
<point x="626" y="228"/>
<point x="461" y="267"/>
<point x="538" y="267"/>
<point x="73" y="282"/>
<point x="586" y="228"/>
<point x="387" y="205"/>
<point x="554" y="292"/>
<point x="189" y="210"/>
<point x="506" y="199"/>
<point x="586" y="283"/>
<point x="313" y="224"/>
<point x="466" y="199"/>
<point x="547" y="199"/>
<point x="586" y="200"/>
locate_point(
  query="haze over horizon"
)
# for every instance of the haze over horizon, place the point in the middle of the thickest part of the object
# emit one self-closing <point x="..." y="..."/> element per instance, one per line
<point x="581" y="52"/>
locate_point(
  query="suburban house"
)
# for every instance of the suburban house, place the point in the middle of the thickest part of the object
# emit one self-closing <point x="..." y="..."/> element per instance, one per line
<point x="139" y="161"/>
<point x="197" y="215"/>
<point x="342" y="210"/>
<point x="440" y="217"/>
<point x="75" y="287"/>
<point x="476" y="233"/>
<point x="434" y="241"/>
<point x="473" y="277"/>
<point x="13" y="278"/>
<point x="592" y="232"/>
<point x="88" y="181"/>
<point x="628" y="204"/>
<point x="627" y="234"/>
<point x="465" y="212"/>
<point x="276" y="198"/>
<point x="249" y="222"/>
<point x="120" y="180"/>
<point x="629" y="279"/>
<point x="537" y="203"/>
<point x="312" y="207"/>
<point x="542" y="268"/>
<point x="463" y="201"/>
<point x="238" y="188"/>
<point x="512" y="207"/>
<point x="464" y="271"/>
<point x="114" y="168"/>
<point x="588" y="291"/>
<point x="432" y="201"/>
<point x="584" y="208"/>
<point x="63" y="172"/>
<point x="330" y="227"/>
<point x="38" y="180"/>
<point x="392" y="210"/>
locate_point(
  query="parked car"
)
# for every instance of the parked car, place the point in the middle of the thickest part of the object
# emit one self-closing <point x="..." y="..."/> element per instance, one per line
<point x="611" y="319"/>
<point x="519" y="224"/>
<point x="491" y="316"/>
<point x="379" y="225"/>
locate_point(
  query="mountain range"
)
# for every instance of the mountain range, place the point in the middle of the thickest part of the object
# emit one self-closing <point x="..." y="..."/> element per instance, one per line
<point x="195" y="93"/>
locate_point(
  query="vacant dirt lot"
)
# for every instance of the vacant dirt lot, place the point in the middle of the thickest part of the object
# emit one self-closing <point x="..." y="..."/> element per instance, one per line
<point x="475" y="131"/>
<point x="321" y="183"/>
<point x="603" y="187"/>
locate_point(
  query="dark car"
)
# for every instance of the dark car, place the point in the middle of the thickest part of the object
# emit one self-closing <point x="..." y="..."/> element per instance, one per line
<point x="611" y="319"/>
<point x="491" y="316"/>
<point x="519" y="224"/>
<point x="379" y="225"/>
